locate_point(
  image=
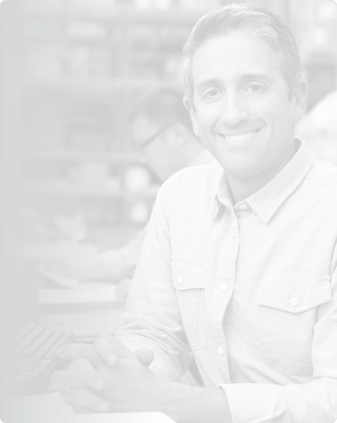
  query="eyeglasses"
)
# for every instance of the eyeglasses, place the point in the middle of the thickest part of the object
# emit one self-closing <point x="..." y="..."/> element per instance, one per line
<point x="155" y="135"/>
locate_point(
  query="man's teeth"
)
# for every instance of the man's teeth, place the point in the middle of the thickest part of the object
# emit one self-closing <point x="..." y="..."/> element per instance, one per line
<point x="240" y="137"/>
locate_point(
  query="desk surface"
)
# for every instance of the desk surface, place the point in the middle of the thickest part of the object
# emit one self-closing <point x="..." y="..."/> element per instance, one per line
<point x="51" y="409"/>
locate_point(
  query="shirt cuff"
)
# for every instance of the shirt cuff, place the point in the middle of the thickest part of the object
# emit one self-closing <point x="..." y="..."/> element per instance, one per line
<point x="256" y="403"/>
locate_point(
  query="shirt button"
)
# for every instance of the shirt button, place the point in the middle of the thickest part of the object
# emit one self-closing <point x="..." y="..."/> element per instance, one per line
<point x="293" y="301"/>
<point x="243" y="207"/>
<point x="180" y="280"/>
<point x="220" y="351"/>
<point x="224" y="287"/>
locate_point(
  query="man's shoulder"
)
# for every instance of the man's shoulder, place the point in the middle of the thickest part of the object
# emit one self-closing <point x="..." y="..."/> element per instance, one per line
<point x="324" y="173"/>
<point x="197" y="178"/>
<point x="207" y="173"/>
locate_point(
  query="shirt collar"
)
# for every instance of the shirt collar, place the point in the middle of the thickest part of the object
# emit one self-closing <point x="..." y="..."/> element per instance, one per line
<point x="269" y="198"/>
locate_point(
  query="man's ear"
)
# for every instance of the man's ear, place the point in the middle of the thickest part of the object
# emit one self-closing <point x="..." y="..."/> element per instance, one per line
<point x="190" y="107"/>
<point x="300" y="97"/>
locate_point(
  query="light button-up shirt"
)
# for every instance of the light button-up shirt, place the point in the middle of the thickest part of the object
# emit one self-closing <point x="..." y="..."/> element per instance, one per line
<point x="249" y="292"/>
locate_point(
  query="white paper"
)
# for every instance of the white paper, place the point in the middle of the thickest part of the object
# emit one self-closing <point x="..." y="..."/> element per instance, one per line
<point x="50" y="408"/>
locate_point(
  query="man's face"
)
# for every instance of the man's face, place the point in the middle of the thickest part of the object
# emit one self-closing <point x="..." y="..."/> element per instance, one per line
<point x="150" y="139"/>
<point x="242" y="109"/>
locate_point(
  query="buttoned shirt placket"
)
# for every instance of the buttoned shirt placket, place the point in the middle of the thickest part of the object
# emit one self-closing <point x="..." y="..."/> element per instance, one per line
<point x="223" y="271"/>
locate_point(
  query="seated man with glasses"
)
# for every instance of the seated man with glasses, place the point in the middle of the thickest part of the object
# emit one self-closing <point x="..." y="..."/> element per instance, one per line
<point x="162" y="133"/>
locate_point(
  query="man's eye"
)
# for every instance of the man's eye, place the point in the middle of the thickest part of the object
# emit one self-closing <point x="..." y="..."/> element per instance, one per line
<point x="211" y="94"/>
<point x="255" y="89"/>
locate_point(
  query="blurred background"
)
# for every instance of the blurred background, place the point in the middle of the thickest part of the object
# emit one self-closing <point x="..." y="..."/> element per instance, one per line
<point x="73" y="70"/>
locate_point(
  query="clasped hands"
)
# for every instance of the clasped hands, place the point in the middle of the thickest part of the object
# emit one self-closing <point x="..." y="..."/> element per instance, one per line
<point x="108" y="377"/>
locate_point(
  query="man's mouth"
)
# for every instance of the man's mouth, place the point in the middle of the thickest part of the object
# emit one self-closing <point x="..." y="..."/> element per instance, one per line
<point x="240" y="137"/>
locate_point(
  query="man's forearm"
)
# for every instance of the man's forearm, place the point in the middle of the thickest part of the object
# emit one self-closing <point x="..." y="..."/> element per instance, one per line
<point x="190" y="404"/>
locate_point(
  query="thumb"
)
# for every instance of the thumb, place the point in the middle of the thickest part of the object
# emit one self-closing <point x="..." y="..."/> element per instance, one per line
<point x="145" y="355"/>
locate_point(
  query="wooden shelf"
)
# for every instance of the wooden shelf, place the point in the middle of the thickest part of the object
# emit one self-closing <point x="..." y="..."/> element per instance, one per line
<point x="94" y="87"/>
<point x="171" y="16"/>
<point x="174" y="17"/>
<point x="73" y="156"/>
<point x="150" y="192"/>
<point x="125" y="42"/>
<point x="100" y="192"/>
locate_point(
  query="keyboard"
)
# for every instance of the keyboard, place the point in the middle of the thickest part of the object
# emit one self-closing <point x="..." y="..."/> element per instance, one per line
<point x="29" y="357"/>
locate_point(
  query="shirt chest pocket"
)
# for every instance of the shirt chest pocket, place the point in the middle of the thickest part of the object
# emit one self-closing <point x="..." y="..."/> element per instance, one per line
<point x="189" y="283"/>
<point x="287" y="314"/>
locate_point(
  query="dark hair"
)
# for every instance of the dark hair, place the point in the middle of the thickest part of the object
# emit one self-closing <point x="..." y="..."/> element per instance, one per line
<point x="253" y="20"/>
<point x="162" y="106"/>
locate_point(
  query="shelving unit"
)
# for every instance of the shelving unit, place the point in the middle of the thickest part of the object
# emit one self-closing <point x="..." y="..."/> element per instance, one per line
<point x="83" y="64"/>
<point x="315" y="26"/>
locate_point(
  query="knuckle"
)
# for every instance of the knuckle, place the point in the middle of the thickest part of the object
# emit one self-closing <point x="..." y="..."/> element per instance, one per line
<point x="80" y="365"/>
<point x="88" y="377"/>
<point x="102" y="344"/>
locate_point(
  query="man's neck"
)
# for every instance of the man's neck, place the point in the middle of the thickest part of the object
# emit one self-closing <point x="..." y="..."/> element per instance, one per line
<point x="193" y="153"/>
<point x="243" y="188"/>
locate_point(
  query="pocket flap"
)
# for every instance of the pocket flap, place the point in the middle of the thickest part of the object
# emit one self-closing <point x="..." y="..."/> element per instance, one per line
<point x="295" y="294"/>
<point x="187" y="275"/>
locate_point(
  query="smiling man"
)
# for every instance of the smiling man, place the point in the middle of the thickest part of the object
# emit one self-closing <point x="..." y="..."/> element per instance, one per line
<point x="238" y="270"/>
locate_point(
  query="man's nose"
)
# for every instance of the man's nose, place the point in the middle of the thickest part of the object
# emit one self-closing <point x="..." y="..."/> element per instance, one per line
<point x="233" y="111"/>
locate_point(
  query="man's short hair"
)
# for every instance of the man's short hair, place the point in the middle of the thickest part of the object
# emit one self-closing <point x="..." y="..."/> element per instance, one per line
<point x="253" y="20"/>
<point x="162" y="106"/>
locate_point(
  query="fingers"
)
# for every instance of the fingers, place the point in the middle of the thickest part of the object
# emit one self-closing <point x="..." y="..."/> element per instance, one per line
<point x="68" y="399"/>
<point x="85" y="398"/>
<point x="87" y="373"/>
<point x="66" y="379"/>
<point x="110" y="349"/>
<point x="74" y="392"/>
<point x="145" y="355"/>
<point x="74" y="351"/>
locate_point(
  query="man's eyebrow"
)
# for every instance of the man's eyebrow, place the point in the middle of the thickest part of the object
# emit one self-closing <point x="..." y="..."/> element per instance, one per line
<point x="257" y="76"/>
<point x="252" y="76"/>
<point x="208" y="82"/>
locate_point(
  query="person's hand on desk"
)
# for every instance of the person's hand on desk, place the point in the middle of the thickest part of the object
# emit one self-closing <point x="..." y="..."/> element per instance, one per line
<point x="71" y="386"/>
<point x="126" y="384"/>
<point x="105" y="381"/>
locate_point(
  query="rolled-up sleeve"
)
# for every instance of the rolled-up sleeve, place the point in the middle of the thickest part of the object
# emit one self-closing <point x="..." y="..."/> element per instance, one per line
<point x="312" y="402"/>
